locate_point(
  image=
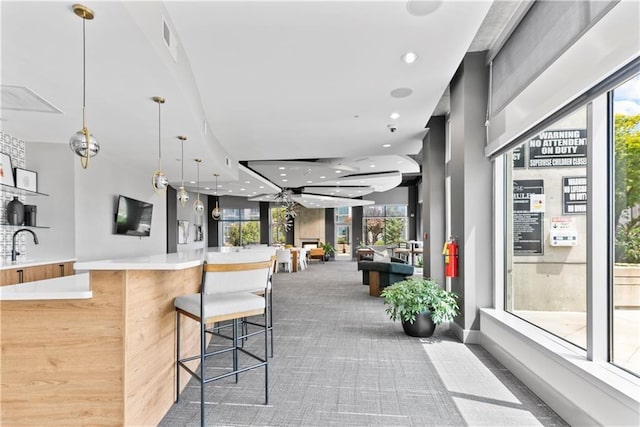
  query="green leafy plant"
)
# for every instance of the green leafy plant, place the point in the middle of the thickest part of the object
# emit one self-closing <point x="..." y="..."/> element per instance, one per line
<point x="408" y="298"/>
<point x="328" y="248"/>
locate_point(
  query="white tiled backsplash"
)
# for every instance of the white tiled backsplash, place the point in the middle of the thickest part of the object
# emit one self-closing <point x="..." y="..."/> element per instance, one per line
<point x="14" y="147"/>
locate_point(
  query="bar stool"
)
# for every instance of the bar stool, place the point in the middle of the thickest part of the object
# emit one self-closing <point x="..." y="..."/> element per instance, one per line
<point x="269" y="297"/>
<point x="226" y="293"/>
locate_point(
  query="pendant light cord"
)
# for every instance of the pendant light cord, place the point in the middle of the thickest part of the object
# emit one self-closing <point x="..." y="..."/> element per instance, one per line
<point x="84" y="74"/>
<point x="182" y="172"/>
<point x="159" y="137"/>
<point x="198" y="180"/>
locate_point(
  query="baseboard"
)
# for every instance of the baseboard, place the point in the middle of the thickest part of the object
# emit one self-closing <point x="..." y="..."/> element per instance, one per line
<point x="467" y="336"/>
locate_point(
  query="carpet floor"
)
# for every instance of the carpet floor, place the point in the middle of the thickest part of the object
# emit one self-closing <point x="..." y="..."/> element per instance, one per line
<point x="339" y="361"/>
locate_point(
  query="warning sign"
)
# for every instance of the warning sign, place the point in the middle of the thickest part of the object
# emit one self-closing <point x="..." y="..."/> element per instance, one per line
<point x="558" y="148"/>
<point x="574" y="195"/>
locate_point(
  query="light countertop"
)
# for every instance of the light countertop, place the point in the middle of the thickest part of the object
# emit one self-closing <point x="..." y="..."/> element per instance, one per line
<point x="75" y="286"/>
<point x="176" y="261"/>
<point x="6" y="265"/>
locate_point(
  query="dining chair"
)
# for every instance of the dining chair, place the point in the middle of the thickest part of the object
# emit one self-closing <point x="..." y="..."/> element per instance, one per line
<point x="283" y="256"/>
<point x="302" y="258"/>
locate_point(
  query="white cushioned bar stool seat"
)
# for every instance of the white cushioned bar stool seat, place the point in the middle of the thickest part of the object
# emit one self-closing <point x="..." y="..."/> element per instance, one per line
<point x="227" y="292"/>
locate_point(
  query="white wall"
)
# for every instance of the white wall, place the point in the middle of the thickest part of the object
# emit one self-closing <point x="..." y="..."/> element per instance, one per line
<point x="96" y="191"/>
<point x="54" y="165"/>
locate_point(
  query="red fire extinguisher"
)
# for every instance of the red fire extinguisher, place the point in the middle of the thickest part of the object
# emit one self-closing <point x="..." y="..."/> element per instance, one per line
<point x="450" y="252"/>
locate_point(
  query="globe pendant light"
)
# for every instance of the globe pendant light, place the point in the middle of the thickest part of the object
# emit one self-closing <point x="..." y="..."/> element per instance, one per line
<point x="198" y="206"/>
<point x="183" y="196"/>
<point x="82" y="142"/>
<point x="216" y="213"/>
<point x="159" y="180"/>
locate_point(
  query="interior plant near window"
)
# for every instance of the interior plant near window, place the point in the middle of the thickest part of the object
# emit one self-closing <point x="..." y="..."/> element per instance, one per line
<point x="328" y="250"/>
<point x="420" y="304"/>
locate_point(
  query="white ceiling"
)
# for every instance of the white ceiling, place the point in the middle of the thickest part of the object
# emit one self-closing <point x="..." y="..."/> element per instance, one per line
<point x="252" y="81"/>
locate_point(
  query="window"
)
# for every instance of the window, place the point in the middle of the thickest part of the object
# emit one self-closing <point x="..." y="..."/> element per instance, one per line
<point x="343" y="230"/>
<point x="384" y="224"/>
<point x="240" y="226"/>
<point x="625" y="312"/>
<point x="546" y="234"/>
<point x="278" y="226"/>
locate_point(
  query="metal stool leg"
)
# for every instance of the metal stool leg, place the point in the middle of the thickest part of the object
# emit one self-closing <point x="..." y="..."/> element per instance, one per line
<point x="202" y="377"/>
<point x="177" y="355"/>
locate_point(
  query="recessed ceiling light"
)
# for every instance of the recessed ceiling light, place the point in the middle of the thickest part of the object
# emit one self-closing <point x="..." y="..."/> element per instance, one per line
<point x="401" y="92"/>
<point x="338" y="171"/>
<point x="242" y="189"/>
<point x="207" y="188"/>
<point x="230" y="191"/>
<point x="192" y="182"/>
<point x="410" y="57"/>
<point x="322" y="177"/>
<point x="372" y="166"/>
<point x="247" y="182"/>
<point x="386" y="145"/>
<point x="282" y="168"/>
<point x="283" y="174"/>
<point x="394" y="115"/>
<point x="285" y="180"/>
<point x="399" y="162"/>
<point x="309" y="182"/>
<point x="262" y="186"/>
<point x="219" y="185"/>
<point x="422" y="8"/>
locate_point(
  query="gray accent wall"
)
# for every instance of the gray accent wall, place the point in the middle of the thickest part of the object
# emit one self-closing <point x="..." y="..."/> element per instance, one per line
<point x="433" y="198"/>
<point x="471" y="191"/>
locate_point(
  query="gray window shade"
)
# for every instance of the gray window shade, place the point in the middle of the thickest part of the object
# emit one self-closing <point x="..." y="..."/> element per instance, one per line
<point x="545" y="32"/>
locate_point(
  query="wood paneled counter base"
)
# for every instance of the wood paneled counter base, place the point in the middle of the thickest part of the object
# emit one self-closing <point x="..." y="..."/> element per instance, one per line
<point x="108" y="360"/>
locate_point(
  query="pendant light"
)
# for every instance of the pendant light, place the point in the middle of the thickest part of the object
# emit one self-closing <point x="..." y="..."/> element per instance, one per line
<point x="216" y="213"/>
<point x="183" y="196"/>
<point x="198" y="206"/>
<point x="82" y="142"/>
<point x="159" y="180"/>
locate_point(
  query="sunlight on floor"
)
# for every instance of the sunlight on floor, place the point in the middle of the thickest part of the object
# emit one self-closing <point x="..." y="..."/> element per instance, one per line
<point x="479" y="395"/>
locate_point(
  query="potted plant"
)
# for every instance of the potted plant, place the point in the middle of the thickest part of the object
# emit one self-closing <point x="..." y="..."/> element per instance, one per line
<point x="420" y="304"/>
<point x="328" y="250"/>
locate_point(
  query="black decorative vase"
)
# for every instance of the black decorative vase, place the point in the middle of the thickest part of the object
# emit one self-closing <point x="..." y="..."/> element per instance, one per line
<point x="15" y="212"/>
<point x="422" y="327"/>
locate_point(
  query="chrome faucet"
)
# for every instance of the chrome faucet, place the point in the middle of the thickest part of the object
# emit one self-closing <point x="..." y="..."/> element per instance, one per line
<point x="14" y="253"/>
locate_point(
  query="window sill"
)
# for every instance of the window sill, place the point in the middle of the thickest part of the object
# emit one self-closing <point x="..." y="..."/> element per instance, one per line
<point x="560" y="372"/>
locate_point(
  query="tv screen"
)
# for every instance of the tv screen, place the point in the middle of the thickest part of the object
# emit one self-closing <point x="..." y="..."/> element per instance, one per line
<point x="133" y="217"/>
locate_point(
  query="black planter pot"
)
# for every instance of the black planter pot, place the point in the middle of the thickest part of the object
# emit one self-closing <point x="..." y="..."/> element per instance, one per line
<point x="422" y="327"/>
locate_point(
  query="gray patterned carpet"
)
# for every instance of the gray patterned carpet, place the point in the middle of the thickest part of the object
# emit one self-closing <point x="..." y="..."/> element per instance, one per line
<point x="339" y="361"/>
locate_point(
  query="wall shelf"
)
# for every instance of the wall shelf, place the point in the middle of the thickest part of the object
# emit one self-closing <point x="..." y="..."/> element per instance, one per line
<point x="23" y="226"/>
<point x="20" y="191"/>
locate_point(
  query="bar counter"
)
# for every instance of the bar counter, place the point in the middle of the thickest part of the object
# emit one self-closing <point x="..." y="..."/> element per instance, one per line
<point x="104" y="360"/>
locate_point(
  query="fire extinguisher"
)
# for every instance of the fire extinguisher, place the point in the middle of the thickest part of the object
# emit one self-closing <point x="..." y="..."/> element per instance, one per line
<point x="450" y="252"/>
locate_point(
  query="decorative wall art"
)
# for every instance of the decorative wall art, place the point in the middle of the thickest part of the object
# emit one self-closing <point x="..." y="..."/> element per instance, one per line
<point x="183" y="232"/>
<point x="26" y="179"/>
<point x="6" y="170"/>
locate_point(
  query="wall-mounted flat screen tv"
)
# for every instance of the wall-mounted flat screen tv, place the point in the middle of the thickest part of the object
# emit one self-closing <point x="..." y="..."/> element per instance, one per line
<point x="133" y="217"/>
